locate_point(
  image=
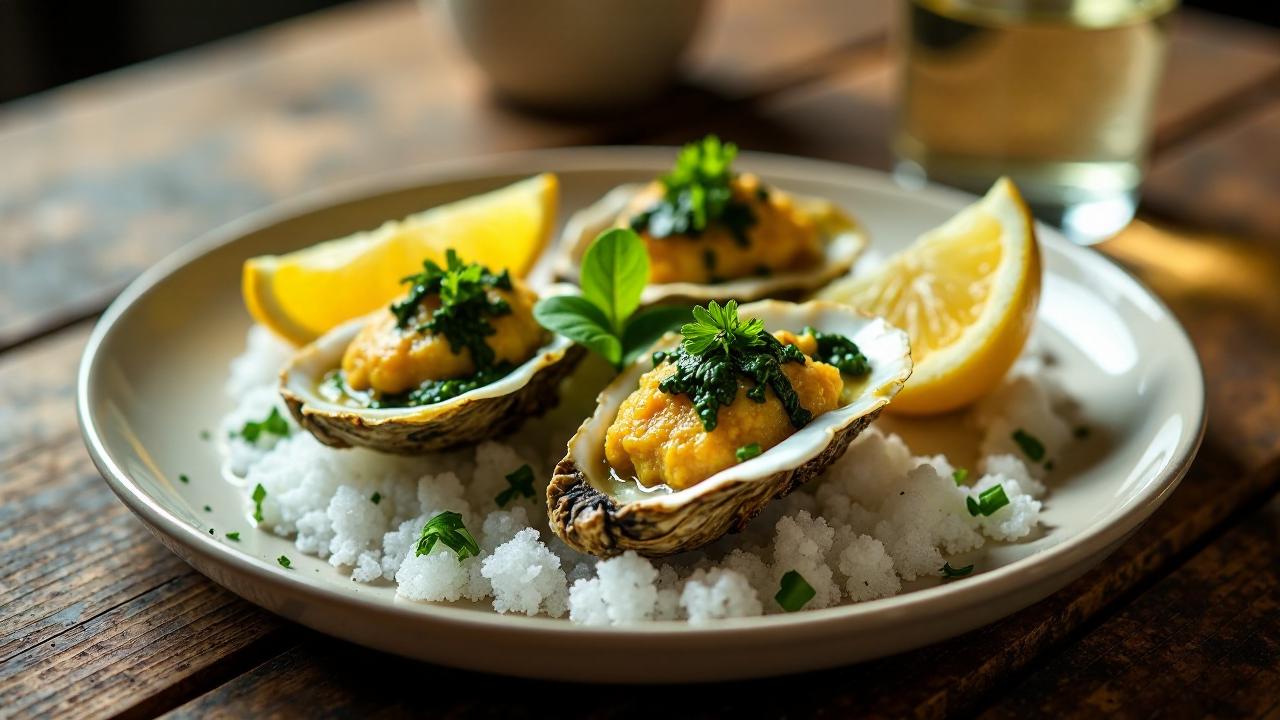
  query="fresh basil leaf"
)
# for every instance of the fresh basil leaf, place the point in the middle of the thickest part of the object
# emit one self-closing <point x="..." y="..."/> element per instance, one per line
<point x="645" y="327"/>
<point x="615" y="270"/>
<point x="582" y="322"/>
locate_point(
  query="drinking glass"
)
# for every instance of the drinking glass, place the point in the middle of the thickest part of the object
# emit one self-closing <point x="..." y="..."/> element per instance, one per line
<point x="1056" y="94"/>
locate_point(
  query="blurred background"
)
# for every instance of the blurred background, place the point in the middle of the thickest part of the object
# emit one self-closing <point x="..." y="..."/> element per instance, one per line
<point x="45" y="43"/>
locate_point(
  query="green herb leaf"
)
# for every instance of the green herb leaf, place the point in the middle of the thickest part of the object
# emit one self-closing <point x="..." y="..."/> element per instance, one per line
<point x="234" y="536"/>
<point x="582" y="322"/>
<point x="521" y="483"/>
<point x="950" y="573"/>
<point x="960" y="475"/>
<point x="208" y="509"/>
<point x="615" y="270"/>
<point x="719" y="327"/>
<point x="645" y="327"/>
<point x="448" y="528"/>
<point x="259" y="494"/>
<point x="794" y="592"/>
<point x="285" y="562"/>
<point x="989" y="501"/>
<point x="274" y="424"/>
<point x="746" y="452"/>
<point x="377" y="497"/>
<point x="1030" y="444"/>
<point x="184" y="479"/>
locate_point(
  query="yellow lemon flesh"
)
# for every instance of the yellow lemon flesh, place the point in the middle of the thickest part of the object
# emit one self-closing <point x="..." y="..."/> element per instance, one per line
<point x="304" y="293"/>
<point x="966" y="294"/>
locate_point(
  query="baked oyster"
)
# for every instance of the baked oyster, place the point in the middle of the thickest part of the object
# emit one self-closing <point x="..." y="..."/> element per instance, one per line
<point x="456" y="360"/>
<point x="715" y="234"/>
<point x="693" y="441"/>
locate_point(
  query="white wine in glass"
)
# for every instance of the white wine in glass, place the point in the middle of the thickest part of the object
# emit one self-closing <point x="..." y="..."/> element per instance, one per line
<point x="1056" y="94"/>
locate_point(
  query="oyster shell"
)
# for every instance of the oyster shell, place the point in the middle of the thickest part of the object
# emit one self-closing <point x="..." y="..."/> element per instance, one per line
<point x="595" y="512"/>
<point x="486" y="412"/>
<point x="843" y="240"/>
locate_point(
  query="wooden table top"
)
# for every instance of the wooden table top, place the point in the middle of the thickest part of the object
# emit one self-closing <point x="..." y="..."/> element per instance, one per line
<point x="104" y="177"/>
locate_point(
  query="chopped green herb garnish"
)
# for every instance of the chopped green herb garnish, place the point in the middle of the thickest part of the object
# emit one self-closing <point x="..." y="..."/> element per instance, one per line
<point x="950" y="573"/>
<point x="274" y="424"/>
<point x="465" y="305"/>
<point x="234" y="536"/>
<point x="447" y="527"/>
<point x="793" y="592"/>
<point x="841" y="352"/>
<point x="604" y="319"/>
<point x="204" y="435"/>
<point x="717" y="348"/>
<point x="746" y="452"/>
<point x="377" y="497"/>
<point x="1030" y="444"/>
<point x="184" y="479"/>
<point x="520" y="481"/>
<point x="208" y="509"/>
<point x="960" y="475"/>
<point x="1081" y="431"/>
<point x="259" y="494"/>
<point x="989" y="501"/>
<point x="698" y="192"/>
<point x="285" y="562"/>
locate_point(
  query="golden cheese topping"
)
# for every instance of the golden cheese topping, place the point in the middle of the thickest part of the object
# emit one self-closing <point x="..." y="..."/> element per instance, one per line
<point x="782" y="238"/>
<point x="658" y="438"/>
<point x="389" y="360"/>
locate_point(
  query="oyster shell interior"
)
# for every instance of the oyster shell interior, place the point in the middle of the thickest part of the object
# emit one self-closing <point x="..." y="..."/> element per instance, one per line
<point x="843" y="240"/>
<point x="597" y="511"/>
<point x="484" y="412"/>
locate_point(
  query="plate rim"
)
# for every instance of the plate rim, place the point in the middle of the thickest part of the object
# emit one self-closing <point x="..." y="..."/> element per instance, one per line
<point x="983" y="587"/>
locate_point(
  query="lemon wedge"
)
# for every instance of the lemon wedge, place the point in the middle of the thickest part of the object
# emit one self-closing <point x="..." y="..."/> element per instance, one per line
<point x="965" y="293"/>
<point x="304" y="293"/>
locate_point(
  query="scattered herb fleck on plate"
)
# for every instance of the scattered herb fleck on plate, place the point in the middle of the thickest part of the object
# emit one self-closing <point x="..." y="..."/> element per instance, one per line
<point x="1030" y="444"/>
<point x="285" y="562"/>
<point x="520" y="482"/>
<point x="275" y="424"/>
<point x="960" y="475"/>
<point x="989" y="501"/>
<point x="259" y="494"/>
<point x="234" y="536"/>
<point x="951" y="573"/>
<point x="448" y="528"/>
<point x="377" y="497"/>
<point x="794" y="592"/>
<point x="184" y="479"/>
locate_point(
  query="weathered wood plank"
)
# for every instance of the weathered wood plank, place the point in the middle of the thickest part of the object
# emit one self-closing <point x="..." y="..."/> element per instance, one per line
<point x="106" y="176"/>
<point x="1207" y="636"/>
<point x="1227" y="179"/>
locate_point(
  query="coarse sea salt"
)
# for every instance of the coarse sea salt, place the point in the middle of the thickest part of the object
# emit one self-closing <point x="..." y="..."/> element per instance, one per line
<point x="879" y="516"/>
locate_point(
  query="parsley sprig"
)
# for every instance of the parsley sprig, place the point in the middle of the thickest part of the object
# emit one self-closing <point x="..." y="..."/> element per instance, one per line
<point x="697" y="192"/>
<point x="718" y="348"/>
<point x="604" y="318"/>
<point x="447" y="527"/>
<point x="465" y="305"/>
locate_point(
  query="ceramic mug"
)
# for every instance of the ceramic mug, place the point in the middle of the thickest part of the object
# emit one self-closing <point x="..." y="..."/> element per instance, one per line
<point x="576" y="54"/>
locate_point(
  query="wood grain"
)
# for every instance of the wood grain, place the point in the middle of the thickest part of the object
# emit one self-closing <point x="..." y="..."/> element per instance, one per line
<point x="105" y="177"/>
<point x="1208" y="635"/>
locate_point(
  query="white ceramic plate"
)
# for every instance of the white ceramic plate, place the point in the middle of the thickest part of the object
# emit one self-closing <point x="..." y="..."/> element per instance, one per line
<point x="153" y="372"/>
